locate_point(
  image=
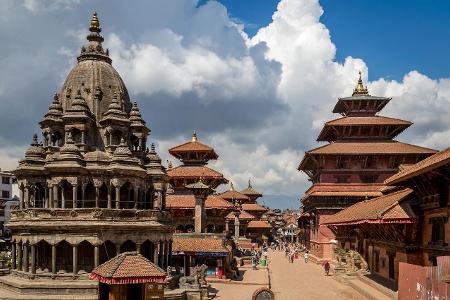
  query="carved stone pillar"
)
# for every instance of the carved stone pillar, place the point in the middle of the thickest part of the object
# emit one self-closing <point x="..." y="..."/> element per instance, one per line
<point x="136" y="197"/>
<point x="19" y="255"/>
<point x="45" y="204"/>
<point x="109" y="205"/>
<point x="161" y="254"/>
<point x="96" y="256"/>
<point x="63" y="198"/>
<point x="50" y="197"/>
<point x="156" y="253"/>
<point x="75" y="259"/>
<point x="97" y="195"/>
<point x="13" y="255"/>
<point x="55" y="196"/>
<point x="236" y="227"/>
<point x="117" y="197"/>
<point x="227" y="226"/>
<point x="26" y="197"/>
<point x="25" y="258"/>
<point x="53" y="259"/>
<point x="75" y="196"/>
<point x="22" y="199"/>
<point x="33" y="259"/>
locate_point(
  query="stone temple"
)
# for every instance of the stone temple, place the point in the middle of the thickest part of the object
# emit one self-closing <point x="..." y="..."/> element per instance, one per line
<point x="91" y="189"/>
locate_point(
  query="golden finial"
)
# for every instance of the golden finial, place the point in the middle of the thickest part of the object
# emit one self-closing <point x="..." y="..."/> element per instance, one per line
<point x="95" y="24"/>
<point x="194" y="136"/>
<point x="169" y="164"/>
<point x="360" y="89"/>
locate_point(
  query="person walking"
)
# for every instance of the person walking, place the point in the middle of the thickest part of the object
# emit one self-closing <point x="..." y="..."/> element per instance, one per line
<point x="326" y="267"/>
<point x="306" y="256"/>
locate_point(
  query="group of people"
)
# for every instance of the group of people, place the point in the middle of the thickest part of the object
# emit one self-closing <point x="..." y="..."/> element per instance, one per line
<point x="292" y="251"/>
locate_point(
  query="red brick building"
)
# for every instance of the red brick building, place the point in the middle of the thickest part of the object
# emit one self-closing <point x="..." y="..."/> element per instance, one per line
<point x="359" y="155"/>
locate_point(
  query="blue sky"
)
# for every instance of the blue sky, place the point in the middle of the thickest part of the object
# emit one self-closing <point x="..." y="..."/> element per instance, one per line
<point x="393" y="37"/>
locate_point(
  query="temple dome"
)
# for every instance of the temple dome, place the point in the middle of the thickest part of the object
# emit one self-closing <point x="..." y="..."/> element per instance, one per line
<point x="95" y="77"/>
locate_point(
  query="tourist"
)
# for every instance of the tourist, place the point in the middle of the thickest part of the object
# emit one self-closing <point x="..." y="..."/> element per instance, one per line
<point x="326" y="267"/>
<point x="306" y="256"/>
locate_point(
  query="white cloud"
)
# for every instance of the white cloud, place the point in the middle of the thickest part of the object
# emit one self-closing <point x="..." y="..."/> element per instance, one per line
<point x="36" y="6"/>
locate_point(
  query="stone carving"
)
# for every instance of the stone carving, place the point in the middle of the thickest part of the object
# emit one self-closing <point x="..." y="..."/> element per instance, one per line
<point x="350" y="262"/>
<point x="197" y="279"/>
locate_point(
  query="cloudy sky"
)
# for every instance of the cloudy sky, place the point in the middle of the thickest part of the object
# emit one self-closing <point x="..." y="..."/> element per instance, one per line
<point x="256" y="81"/>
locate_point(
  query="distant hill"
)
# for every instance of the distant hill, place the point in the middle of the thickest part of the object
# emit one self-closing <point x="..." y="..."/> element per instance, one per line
<point x="280" y="201"/>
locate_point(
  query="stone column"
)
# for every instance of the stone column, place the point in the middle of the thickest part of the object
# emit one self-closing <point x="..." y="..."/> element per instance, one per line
<point x="75" y="259"/>
<point x="53" y="259"/>
<point x="45" y="197"/>
<point x="83" y="195"/>
<point x="63" y="198"/>
<point x="161" y="254"/>
<point x="156" y="200"/>
<point x="26" y="197"/>
<point x="13" y="255"/>
<point x="227" y="226"/>
<point x="96" y="256"/>
<point x="236" y="227"/>
<point x="138" y="247"/>
<point x="199" y="217"/>
<point x="136" y="196"/>
<point x="55" y="196"/>
<point x="33" y="259"/>
<point x="117" y="197"/>
<point x="109" y="197"/>
<point x="74" y="195"/>
<point x="25" y="258"/>
<point x="22" y="199"/>
<point x="156" y="253"/>
<point x="97" y="195"/>
<point x="169" y="256"/>
<point x="19" y="255"/>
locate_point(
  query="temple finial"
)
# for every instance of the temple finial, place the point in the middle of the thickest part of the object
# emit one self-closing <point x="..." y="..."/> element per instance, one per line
<point x="95" y="24"/>
<point x="34" y="140"/>
<point x="153" y="147"/>
<point x="194" y="136"/>
<point x="360" y="89"/>
<point x="249" y="183"/>
<point x="231" y="186"/>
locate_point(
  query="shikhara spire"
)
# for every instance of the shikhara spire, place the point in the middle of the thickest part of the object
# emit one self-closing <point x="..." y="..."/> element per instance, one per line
<point x="360" y="89"/>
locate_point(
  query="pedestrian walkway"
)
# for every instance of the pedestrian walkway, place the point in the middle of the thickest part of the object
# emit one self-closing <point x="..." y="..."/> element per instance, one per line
<point x="305" y="281"/>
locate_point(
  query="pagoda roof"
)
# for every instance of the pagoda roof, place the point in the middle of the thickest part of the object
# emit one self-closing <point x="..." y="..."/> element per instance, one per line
<point x="198" y="245"/>
<point x="370" y="147"/>
<point x="193" y="146"/>
<point x="232" y="194"/>
<point x="391" y="208"/>
<point x="186" y="171"/>
<point x="428" y="164"/>
<point x="345" y="189"/>
<point x="361" y="148"/>
<point x="258" y="224"/>
<point x="253" y="207"/>
<point x="328" y="133"/>
<point x="243" y="216"/>
<point x="188" y="202"/>
<point x="128" y="268"/>
<point x="250" y="191"/>
<point x="371" y="120"/>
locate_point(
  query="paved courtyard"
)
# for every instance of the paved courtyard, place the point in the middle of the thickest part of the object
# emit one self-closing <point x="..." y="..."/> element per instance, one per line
<point x="288" y="281"/>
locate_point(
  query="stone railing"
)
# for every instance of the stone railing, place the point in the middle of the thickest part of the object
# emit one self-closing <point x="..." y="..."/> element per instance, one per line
<point x="100" y="214"/>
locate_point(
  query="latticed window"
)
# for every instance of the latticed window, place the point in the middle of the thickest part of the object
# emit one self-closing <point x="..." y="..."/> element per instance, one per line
<point x="438" y="230"/>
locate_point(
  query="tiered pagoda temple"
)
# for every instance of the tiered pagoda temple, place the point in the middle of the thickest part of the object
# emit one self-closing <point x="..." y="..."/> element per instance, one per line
<point x="195" y="156"/>
<point x="360" y="154"/>
<point x="91" y="190"/>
